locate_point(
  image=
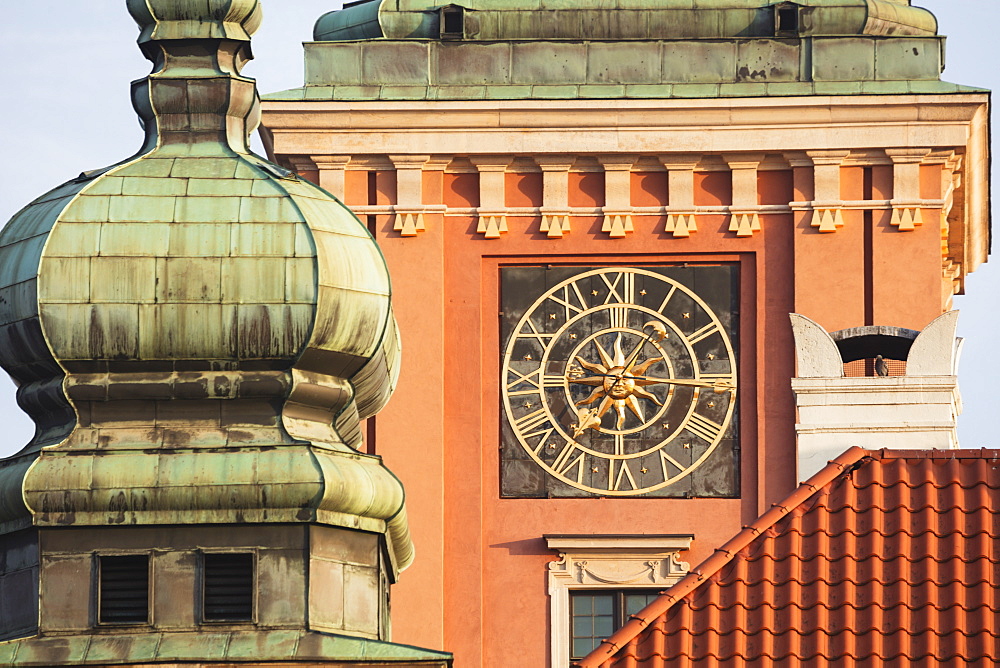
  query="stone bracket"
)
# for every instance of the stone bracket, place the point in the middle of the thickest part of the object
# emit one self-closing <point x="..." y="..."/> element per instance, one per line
<point x="408" y="223"/>
<point x="555" y="225"/>
<point x="827" y="219"/>
<point x="617" y="225"/>
<point x="907" y="218"/>
<point x="492" y="225"/>
<point x="744" y="224"/>
<point x="681" y="224"/>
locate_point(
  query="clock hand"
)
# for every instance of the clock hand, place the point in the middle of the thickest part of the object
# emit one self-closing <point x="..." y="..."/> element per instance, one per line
<point x="659" y="331"/>
<point x="719" y="386"/>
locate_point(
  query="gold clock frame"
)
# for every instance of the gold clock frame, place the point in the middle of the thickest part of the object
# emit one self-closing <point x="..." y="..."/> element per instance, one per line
<point x="540" y="430"/>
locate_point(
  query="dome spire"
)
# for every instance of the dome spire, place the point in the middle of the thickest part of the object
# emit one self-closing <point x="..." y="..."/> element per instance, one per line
<point x="196" y="101"/>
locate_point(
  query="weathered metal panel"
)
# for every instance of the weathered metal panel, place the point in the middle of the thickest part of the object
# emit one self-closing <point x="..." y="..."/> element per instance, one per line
<point x="454" y="64"/>
<point x="402" y="64"/>
<point x="698" y="62"/>
<point x="635" y="62"/>
<point x="767" y="60"/>
<point x="333" y="63"/>
<point x="908" y="59"/>
<point x="533" y="62"/>
<point x="845" y="59"/>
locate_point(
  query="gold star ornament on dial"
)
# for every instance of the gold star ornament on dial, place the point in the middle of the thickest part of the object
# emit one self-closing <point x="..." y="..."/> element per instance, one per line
<point x="619" y="381"/>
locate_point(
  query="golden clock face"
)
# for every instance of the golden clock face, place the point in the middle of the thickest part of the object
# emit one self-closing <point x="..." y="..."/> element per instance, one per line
<point x="618" y="381"/>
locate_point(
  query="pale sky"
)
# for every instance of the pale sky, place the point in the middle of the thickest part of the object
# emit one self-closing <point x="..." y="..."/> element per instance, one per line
<point x="66" y="70"/>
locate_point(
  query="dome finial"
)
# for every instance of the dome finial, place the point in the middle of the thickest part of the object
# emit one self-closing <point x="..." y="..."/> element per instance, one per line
<point x="196" y="19"/>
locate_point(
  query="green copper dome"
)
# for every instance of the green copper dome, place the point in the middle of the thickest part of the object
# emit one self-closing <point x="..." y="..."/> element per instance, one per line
<point x="195" y="331"/>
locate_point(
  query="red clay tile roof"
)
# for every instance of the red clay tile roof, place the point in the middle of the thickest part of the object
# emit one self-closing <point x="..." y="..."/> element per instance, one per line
<point x="882" y="558"/>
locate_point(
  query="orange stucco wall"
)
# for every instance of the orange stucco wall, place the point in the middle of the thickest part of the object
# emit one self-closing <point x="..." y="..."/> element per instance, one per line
<point x="479" y="579"/>
<point x="462" y="528"/>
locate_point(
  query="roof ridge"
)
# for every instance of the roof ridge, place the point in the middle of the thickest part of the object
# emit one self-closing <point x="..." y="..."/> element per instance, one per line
<point x="937" y="453"/>
<point x="868" y="532"/>
<point x="848" y="604"/>
<point x="725" y="554"/>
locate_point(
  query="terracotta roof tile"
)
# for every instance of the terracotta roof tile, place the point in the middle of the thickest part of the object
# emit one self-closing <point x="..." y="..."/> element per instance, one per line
<point x="881" y="557"/>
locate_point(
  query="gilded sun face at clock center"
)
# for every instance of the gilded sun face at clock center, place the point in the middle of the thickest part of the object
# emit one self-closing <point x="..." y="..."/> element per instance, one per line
<point x="618" y="382"/>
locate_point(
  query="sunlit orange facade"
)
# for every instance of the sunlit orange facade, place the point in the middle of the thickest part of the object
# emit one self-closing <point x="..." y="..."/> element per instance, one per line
<point x="852" y="210"/>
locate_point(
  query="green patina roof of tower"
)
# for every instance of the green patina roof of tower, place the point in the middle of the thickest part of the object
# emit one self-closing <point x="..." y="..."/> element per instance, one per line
<point x="619" y="19"/>
<point x="622" y="49"/>
<point x="238" y="646"/>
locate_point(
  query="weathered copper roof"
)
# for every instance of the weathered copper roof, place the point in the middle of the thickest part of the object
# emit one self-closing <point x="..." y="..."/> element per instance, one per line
<point x="172" y="320"/>
<point x="396" y="50"/>
<point x="264" y="647"/>
<point x="881" y="558"/>
<point x="620" y="19"/>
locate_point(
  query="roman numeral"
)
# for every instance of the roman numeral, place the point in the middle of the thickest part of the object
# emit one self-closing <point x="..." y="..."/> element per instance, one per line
<point x="530" y="378"/>
<point x="703" y="428"/>
<point x="663" y="304"/>
<point x="703" y="333"/>
<point x="618" y="316"/>
<point x="565" y="462"/>
<point x="623" y="474"/>
<point x="572" y="300"/>
<point x="622" y="289"/>
<point x="553" y="381"/>
<point x="526" y="423"/>
<point x="667" y="460"/>
<point x="545" y="434"/>
<point x="535" y="334"/>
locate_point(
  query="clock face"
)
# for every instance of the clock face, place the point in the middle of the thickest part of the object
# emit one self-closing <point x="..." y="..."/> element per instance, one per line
<point x="619" y="381"/>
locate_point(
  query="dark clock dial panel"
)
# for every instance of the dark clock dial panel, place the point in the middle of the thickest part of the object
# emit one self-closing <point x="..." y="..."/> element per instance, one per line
<point x="619" y="381"/>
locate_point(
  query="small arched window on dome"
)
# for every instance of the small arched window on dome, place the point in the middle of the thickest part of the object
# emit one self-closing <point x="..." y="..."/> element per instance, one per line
<point x="875" y="350"/>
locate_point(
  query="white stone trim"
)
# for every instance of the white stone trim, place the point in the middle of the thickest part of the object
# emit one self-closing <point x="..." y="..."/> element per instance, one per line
<point x="606" y="562"/>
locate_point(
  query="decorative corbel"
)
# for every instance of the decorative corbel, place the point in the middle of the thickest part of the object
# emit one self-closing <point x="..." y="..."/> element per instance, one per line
<point x="408" y="213"/>
<point x="680" y="191"/>
<point x="617" y="195"/>
<point x="555" y="194"/>
<point x="827" y="214"/>
<point x="907" y="211"/>
<point x="744" y="218"/>
<point x="492" y="209"/>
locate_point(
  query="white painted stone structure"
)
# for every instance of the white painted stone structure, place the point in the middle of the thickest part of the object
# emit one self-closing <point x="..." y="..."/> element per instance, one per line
<point x="915" y="411"/>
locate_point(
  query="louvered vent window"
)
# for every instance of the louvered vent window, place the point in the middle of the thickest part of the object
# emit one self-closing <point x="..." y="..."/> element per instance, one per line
<point x="124" y="589"/>
<point x="228" y="587"/>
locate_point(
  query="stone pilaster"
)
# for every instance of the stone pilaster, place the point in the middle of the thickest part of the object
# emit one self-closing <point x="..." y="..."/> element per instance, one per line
<point x="680" y="190"/>
<point x="555" y="194"/>
<point x="617" y="194"/>
<point x="408" y="213"/>
<point x="492" y="210"/>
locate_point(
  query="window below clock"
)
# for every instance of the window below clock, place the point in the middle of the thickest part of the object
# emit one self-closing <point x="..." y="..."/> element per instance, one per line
<point x="595" y="615"/>
<point x="600" y="580"/>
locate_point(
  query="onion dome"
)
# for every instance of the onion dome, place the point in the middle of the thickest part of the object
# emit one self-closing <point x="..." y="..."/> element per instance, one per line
<point x="195" y="331"/>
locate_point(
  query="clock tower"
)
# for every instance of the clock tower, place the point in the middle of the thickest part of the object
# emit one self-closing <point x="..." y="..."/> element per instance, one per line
<point x="597" y="222"/>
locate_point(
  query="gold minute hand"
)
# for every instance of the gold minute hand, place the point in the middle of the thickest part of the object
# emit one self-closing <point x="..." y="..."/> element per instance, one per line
<point x="719" y="386"/>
